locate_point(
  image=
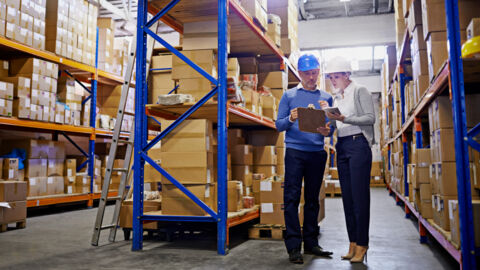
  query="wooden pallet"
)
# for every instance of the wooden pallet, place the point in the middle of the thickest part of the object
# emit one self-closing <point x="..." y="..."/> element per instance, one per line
<point x="18" y="224"/>
<point x="266" y="232"/>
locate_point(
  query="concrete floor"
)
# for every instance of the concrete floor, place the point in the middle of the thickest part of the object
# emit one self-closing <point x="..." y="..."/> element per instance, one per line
<point x="62" y="241"/>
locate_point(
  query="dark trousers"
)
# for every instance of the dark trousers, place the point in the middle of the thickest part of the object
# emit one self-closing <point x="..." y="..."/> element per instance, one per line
<point x="354" y="162"/>
<point x="307" y="166"/>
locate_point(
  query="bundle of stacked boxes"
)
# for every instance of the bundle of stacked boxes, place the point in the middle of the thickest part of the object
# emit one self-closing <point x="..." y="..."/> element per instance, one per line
<point x="71" y="29"/>
<point x="24" y="21"/>
<point x="13" y="193"/>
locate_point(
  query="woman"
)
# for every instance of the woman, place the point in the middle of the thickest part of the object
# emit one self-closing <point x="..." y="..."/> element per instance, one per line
<point x="354" y="156"/>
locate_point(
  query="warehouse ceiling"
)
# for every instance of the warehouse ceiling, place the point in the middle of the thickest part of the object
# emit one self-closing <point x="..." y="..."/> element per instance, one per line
<point x="323" y="9"/>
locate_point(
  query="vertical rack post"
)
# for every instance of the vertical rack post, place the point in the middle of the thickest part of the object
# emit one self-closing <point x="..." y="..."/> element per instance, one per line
<point x="460" y="131"/>
<point x="140" y="126"/>
<point x="93" y="115"/>
<point x="405" y="163"/>
<point x="222" y="127"/>
<point x="418" y="132"/>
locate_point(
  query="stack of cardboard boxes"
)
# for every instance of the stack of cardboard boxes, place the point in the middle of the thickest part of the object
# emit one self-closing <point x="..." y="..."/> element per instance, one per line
<point x="287" y="10"/>
<point x="274" y="30"/>
<point x="202" y="36"/>
<point x="106" y="40"/>
<point x="434" y="29"/>
<point x="24" y="21"/>
<point x="187" y="155"/>
<point x="15" y="194"/>
<point x="419" y="174"/>
<point x="108" y="100"/>
<point x="376" y="173"/>
<point x="70" y="96"/>
<point x="71" y="29"/>
<point x="189" y="80"/>
<point x="258" y="10"/>
<point x="161" y="82"/>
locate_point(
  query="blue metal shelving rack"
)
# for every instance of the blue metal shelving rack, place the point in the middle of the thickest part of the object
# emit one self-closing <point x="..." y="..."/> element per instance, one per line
<point x="141" y="146"/>
<point x="463" y="139"/>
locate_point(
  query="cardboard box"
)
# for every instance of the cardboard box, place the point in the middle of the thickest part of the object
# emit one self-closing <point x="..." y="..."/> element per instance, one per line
<point x="26" y="66"/>
<point x="6" y="90"/>
<point x="200" y="144"/>
<point x="271" y="191"/>
<point x="273" y="213"/>
<point x="425" y="209"/>
<point x="16" y="212"/>
<point x="267" y="170"/>
<point x="275" y="79"/>
<point x="174" y="202"/>
<point x="242" y="173"/>
<point x="437" y="52"/>
<point x="13" y="191"/>
<point x="254" y="8"/>
<point x="473" y="28"/>
<point x="55" y="167"/>
<point x="70" y="167"/>
<point x="6" y="107"/>
<point x="161" y="63"/>
<point x="198" y="128"/>
<point x="20" y="87"/>
<point x="36" y="168"/>
<point x="445" y="147"/>
<point x="440" y="205"/>
<point x="37" y="186"/>
<point x="55" y="185"/>
<point x="206" y="59"/>
<point x="235" y="196"/>
<point x="126" y="213"/>
<point x="10" y="168"/>
<point x="242" y="155"/>
<point x="455" y="221"/>
<point x="264" y="155"/>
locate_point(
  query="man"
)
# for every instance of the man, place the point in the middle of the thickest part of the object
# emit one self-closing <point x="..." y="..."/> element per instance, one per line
<point x="305" y="159"/>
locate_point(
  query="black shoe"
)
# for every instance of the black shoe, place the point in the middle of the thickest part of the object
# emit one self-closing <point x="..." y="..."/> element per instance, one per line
<point x="295" y="256"/>
<point x="318" y="251"/>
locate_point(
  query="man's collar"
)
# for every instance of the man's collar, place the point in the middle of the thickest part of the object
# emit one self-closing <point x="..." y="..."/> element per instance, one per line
<point x="300" y="86"/>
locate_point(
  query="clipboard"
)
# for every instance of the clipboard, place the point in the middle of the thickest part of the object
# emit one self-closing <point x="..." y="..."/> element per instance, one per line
<point x="310" y="119"/>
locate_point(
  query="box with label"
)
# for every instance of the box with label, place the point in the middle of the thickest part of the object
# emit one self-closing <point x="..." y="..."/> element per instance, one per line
<point x="35" y="168"/>
<point x="251" y="100"/>
<point x="473" y="28"/>
<point x="70" y="167"/>
<point x="55" y="185"/>
<point x="26" y="66"/>
<point x="267" y="170"/>
<point x="275" y="79"/>
<point x="242" y="173"/>
<point x="6" y="90"/>
<point x="440" y="205"/>
<point x="36" y="148"/>
<point x="6" y="107"/>
<point x="21" y="86"/>
<point x="255" y="9"/>
<point x="235" y="196"/>
<point x="273" y="213"/>
<point x="271" y="191"/>
<point x="10" y="168"/>
<point x="455" y="221"/>
<point x="13" y="191"/>
<point x="37" y="186"/>
<point x="242" y="155"/>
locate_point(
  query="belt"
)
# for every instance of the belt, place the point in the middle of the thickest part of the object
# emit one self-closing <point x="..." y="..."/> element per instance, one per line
<point x="354" y="136"/>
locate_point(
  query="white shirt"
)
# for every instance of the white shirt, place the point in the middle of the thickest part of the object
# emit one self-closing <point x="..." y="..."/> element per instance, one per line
<point x="346" y="104"/>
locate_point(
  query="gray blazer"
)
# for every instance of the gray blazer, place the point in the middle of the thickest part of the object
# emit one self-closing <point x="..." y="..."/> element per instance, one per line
<point x="364" y="114"/>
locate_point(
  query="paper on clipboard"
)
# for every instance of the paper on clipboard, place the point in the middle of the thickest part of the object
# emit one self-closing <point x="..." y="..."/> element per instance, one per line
<point x="332" y="110"/>
<point x="310" y="119"/>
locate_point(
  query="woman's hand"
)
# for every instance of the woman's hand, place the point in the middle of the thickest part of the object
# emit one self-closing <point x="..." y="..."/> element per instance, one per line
<point x="325" y="131"/>
<point x="323" y="104"/>
<point x="334" y="116"/>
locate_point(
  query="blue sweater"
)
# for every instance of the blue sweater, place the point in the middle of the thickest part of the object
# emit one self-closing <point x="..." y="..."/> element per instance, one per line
<point x="294" y="138"/>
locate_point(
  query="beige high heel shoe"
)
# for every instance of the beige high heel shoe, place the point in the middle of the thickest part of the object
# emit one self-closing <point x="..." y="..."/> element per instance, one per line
<point x="360" y="254"/>
<point x="351" y="251"/>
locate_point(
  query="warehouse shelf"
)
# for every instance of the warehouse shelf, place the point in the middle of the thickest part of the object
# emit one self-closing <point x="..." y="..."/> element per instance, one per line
<point x="237" y="116"/>
<point x="247" y="39"/>
<point x="84" y="71"/>
<point x="39" y="126"/>
<point x="400" y="57"/>
<point x="453" y="75"/>
<point x="65" y="198"/>
<point x="429" y="225"/>
<point x="471" y="68"/>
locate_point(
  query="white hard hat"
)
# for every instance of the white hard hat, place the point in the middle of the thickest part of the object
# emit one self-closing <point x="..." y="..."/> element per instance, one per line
<point x="338" y="64"/>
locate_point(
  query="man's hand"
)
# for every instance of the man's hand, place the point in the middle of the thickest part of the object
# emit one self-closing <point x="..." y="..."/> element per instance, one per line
<point x="323" y="104"/>
<point x="293" y="115"/>
<point x="325" y="131"/>
<point x="334" y="116"/>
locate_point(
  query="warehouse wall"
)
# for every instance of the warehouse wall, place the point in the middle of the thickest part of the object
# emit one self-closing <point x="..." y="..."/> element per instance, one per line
<point x="372" y="83"/>
<point x="344" y="32"/>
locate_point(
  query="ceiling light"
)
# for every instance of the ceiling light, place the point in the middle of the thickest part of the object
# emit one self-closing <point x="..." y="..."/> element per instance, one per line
<point x="344" y="0"/>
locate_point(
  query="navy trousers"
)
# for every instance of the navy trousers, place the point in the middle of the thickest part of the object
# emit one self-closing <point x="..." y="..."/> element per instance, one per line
<point x="307" y="166"/>
<point x="354" y="162"/>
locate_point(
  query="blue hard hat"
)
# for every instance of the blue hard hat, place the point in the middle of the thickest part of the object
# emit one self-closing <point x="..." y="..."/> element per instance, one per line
<point x="308" y="62"/>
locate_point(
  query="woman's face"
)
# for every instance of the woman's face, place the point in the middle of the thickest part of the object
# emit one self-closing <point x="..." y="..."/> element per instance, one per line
<point x="339" y="80"/>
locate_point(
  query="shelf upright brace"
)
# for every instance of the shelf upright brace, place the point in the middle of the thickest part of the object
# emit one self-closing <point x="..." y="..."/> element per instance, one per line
<point x="222" y="128"/>
<point x="418" y="132"/>
<point x="140" y="125"/>
<point x="467" y="238"/>
<point x="405" y="163"/>
<point x="402" y="94"/>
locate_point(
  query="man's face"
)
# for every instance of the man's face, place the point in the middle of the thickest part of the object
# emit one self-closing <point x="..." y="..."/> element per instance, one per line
<point x="339" y="80"/>
<point x="309" y="78"/>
